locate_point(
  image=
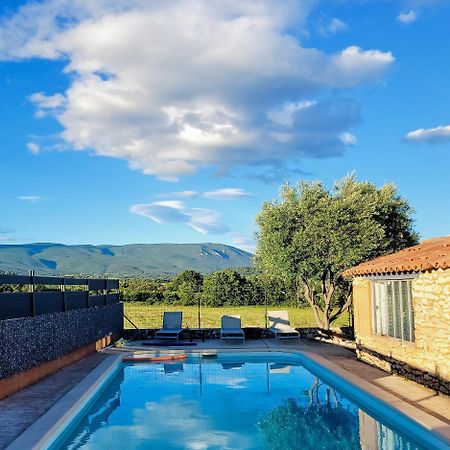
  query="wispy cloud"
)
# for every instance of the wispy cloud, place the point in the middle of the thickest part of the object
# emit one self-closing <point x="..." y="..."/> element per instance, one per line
<point x="30" y="198"/>
<point x="334" y="26"/>
<point x="244" y="242"/>
<point x="33" y="147"/>
<point x="190" y="113"/>
<point x="436" y="135"/>
<point x="348" y="138"/>
<point x="180" y="194"/>
<point x="7" y="239"/>
<point x="47" y="104"/>
<point x="206" y="221"/>
<point x="227" y="194"/>
<point x="407" y="17"/>
<point x="7" y="236"/>
<point x="218" y="194"/>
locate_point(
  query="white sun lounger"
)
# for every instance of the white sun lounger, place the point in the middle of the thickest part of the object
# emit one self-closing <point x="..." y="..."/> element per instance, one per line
<point x="231" y="329"/>
<point x="171" y="328"/>
<point x="280" y="326"/>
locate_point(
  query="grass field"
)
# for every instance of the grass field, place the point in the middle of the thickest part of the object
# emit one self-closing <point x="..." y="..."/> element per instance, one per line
<point x="150" y="316"/>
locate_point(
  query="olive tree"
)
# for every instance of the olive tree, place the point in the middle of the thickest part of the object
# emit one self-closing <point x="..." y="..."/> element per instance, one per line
<point x="312" y="234"/>
<point x="294" y="426"/>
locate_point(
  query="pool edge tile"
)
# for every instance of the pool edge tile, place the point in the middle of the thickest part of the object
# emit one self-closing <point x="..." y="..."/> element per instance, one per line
<point x="41" y="434"/>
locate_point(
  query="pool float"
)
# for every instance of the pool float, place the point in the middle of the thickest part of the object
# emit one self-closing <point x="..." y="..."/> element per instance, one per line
<point x="154" y="358"/>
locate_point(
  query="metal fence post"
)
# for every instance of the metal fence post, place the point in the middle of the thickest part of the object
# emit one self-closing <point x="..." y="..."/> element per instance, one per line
<point x="86" y="287"/>
<point x="63" y="290"/>
<point x="199" y="312"/>
<point x="31" y="291"/>
<point x="265" y="306"/>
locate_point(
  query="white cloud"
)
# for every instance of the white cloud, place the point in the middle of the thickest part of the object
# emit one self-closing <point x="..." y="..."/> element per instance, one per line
<point x="33" y="147"/>
<point x="45" y="102"/>
<point x="227" y="194"/>
<point x="181" y="194"/>
<point x="436" y="135"/>
<point x="334" y="26"/>
<point x="195" y="427"/>
<point x="244" y="242"/>
<point x="175" y="86"/>
<point x="8" y="240"/>
<point x="354" y="65"/>
<point x="14" y="239"/>
<point x="407" y="17"/>
<point x="285" y="114"/>
<point x="30" y="198"/>
<point x="174" y="211"/>
<point x="348" y="138"/>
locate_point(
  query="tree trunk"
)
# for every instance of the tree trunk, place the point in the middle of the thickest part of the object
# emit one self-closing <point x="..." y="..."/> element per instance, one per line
<point x="324" y="317"/>
<point x="308" y="293"/>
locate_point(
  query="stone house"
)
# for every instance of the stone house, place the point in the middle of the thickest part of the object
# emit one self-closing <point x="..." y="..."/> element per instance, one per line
<point x="402" y="312"/>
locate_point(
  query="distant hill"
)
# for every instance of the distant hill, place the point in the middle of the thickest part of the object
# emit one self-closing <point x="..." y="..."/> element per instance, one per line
<point x="120" y="260"/>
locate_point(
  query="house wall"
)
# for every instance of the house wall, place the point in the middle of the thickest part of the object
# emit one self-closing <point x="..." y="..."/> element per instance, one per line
<point x="427" y="359"/>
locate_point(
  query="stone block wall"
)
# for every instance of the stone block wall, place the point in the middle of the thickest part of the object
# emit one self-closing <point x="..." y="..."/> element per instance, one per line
<point x="28" y="342"/>
<point x="427" y="359"/>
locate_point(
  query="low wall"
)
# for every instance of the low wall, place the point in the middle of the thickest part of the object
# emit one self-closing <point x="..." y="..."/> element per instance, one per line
<point x="340" y="336"/>
<point x="28" y="342"/>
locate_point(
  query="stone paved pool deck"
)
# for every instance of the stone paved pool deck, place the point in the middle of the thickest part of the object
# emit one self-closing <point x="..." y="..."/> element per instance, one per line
<point x="21" y="410"/>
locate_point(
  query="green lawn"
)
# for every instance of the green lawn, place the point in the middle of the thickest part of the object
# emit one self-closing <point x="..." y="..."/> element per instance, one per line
<point x="150" y="316"/>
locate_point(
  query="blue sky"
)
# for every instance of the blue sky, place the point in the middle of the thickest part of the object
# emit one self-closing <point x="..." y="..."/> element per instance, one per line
<point x="125" y="122"/>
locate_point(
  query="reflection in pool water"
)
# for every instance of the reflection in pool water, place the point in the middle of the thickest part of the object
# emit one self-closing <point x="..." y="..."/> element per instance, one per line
<point x="208" y="405"/>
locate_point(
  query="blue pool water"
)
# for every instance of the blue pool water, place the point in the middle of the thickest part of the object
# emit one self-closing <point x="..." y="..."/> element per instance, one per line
<point x="201" y="404"/>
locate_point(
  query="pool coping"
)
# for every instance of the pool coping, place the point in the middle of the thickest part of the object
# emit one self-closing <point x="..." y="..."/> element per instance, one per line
<point x="42" y="433"/>
<point x="432" y="424"/>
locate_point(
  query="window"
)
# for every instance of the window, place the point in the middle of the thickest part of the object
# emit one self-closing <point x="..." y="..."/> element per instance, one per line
<point x="393" y="314"/>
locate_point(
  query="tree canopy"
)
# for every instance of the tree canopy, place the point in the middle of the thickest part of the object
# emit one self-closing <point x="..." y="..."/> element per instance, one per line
<point x="312" y="234"/>
<point x="293" y="426"/>
<point x="228" y="287"/>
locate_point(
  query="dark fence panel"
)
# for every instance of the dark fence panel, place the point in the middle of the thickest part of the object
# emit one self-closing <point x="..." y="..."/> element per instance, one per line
<point x="48" y="280"/>
<point x="96" y="285"/>
<point x="18" y="304"/>
<point x="15" y="279"/>
<point x="76" y="300"/>
<point x="47" y="302"/>
<point x="112" y="284"/>
<point x="97" y="300"/>
<point x="15" y="305"/>
<point x="112" y="298"/>
<point x="75" y="281"/>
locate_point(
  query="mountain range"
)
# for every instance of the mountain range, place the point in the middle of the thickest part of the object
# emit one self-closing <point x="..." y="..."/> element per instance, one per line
<point x="120" y="260"/>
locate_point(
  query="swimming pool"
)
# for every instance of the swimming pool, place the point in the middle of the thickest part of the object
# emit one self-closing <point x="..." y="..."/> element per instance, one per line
<point x="237" y="401"/>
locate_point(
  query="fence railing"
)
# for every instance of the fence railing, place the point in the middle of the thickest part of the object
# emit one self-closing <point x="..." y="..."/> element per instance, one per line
<point x="90" y="292"/>
<point x="144" y="315"/>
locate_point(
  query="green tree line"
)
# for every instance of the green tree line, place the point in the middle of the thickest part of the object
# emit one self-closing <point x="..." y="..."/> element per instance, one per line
<point x="222" y="288"/>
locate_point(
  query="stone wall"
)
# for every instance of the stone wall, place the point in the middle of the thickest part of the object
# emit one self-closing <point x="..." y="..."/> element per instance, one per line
<point x="394" y="365"/>
<point x="427" y="359"/>
<point x="30" y="341"/>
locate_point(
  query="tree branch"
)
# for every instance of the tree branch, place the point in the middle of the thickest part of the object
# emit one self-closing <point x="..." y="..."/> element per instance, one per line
<point x="342" y="308"/>
<point x="309" y="295"/>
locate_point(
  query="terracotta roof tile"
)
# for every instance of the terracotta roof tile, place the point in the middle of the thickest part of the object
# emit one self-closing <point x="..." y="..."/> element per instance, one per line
<point x="428" y="255"/>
